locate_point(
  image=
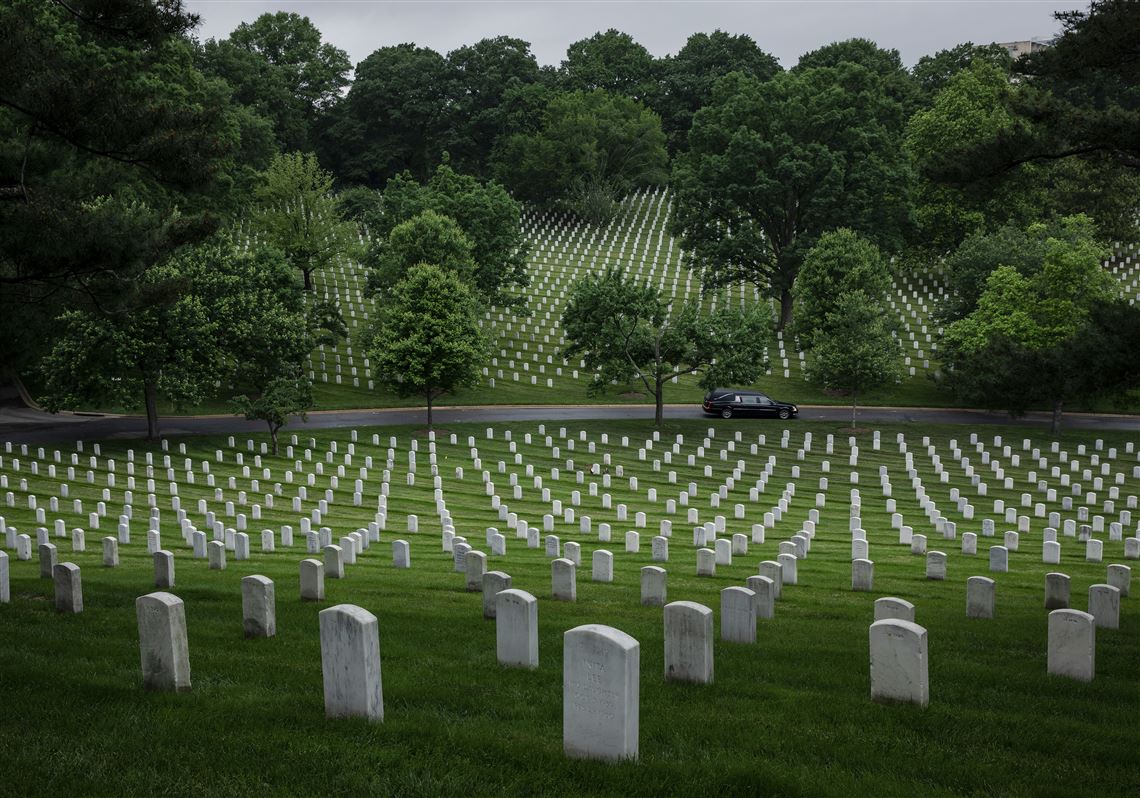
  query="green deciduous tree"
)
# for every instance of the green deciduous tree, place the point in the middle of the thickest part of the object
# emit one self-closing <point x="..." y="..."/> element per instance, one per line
<point x="612" y="61"/>
<point x="359" y="203"/>
<point x="773" y="164"/>
<point x="626" y="330"/>
<point x="1024" y="342"/>
<point x="394" y="117"/>
<point x="843" y="318"/>
<point x="285" y="396"/>
<point x="485" y="213"/>
<point x="687" y="78"/>
<point x="314" y="71"/>
<point x="180" y="328"/>
<point x="853" y="350"/>
<point x="585" y="137"/>
<point x="971" y="107"/>
<point x="427" y="340"/>
<point x="425" y="238"/>
<point x="886" y="64"/>
<point x="268" y="332"/>
<point x="842" y="262"/>
<point x="114" y="151"/>
<point x="933" y="72"/>
<point x="970" y="265"/>
<point x="298" y="215"/>
<point x="279" y="68"/>
<point x="481" y="76"/>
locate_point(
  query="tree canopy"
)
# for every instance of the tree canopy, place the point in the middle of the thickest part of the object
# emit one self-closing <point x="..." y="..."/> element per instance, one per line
<point x="1058" y="138"/>
<point x="179" y="329"/>
<point x="842" y="262"/>
<point x="428" y="237"/>
<point x="626" y="330"/>
<point x="1082" y="94"/>
<point x="1026" y="341"/>
<point x="687" y="78"/>
<point x="427" y="340"/>
<point x="487" y="216"/>
<point x="842" y="291"/>
<point x="392" y="120"/>
<point x="278" y="66"/>
<point x="483" y="75"/>
<point x="932" y="72"/>
<point x="114" y="152"/>
<point x="298" y="214"/>
<point x="772" y="165"/>
<point x="612" y="61"/>
<point x="586" y="137"/>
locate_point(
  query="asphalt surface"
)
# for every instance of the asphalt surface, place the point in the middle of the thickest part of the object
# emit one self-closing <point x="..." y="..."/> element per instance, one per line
<point x="24" y="425"/>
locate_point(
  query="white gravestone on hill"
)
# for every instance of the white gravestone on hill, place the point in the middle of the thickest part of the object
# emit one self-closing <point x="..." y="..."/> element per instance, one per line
<point x="68" y="588"/>
<point x="688" y="642"/>
<point x="600" y="693"/>
<point x="516" y="628"/>
<point x="258" y="606"/>
<point x="765" y="596"/>
<point x="979" y="597"/>
<point x="350" y="663"/>
<point x="164" y="569"/>
<point x="653" y="586"/>
<point x="1072" y="645"/>
<point x="563" y="580"/>
<point x="899" y="666"/>
<point x="891" y="608"/>
<point x="312" y="580"/>
<point x="738" y="615"/>
<point x="475" y="565"/>
<point x="862" y="575"/>
<point x="1104" y="606"/>
<point x="163" y="647"/>
<point x="494" y="582"/>
<point x="1057" y="591"/>
<point x="1120" y="577"/>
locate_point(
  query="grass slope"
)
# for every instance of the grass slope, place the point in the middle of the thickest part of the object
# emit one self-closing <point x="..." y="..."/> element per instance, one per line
<point x="561" y="251"/>
<point x="787" y="716"/>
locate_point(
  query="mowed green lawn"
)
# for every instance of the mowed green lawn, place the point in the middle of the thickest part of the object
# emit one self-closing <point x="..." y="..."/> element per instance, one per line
<point x="789" y="715"/>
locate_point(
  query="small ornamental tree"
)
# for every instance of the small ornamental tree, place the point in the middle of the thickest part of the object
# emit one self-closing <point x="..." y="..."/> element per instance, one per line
<point x="1026" y="341"/>
<point x="299" y="215"/>
<point x="842" y="261"/>
<point x="427" y="237"/>
<point x="853" y="350"/>
<point x="842" y="291"/>
<point x="286" y="395"/>
<point x="427" y="340"/>
<point x="486" y="214"/>
<point x="625" y="330"/>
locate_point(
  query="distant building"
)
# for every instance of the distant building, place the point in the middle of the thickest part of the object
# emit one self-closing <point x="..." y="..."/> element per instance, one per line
<point x="1018" y="49"/>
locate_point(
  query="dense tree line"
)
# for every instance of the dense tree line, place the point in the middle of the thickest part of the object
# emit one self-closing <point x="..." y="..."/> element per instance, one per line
<point x="140" y="166"/>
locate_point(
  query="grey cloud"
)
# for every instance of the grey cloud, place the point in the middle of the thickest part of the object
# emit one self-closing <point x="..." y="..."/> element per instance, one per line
<point x="784" y="28"/>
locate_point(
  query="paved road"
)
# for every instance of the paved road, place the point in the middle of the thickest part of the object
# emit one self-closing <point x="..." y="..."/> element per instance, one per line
<point x="30" y="426"/>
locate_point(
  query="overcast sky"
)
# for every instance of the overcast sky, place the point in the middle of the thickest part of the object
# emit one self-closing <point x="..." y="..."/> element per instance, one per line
<point x="781" y="27"/>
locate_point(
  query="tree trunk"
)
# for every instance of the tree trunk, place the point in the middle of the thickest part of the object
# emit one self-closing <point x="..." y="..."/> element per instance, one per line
<point x="659" y="399"/>
<point x="785" y="309"/>
<point x="854" y="404"/>
<point x="150" y="396"/>
<point x="273" y="428"/>
<point x="308" y="279"/>
<point x="428" y="394"/>
<point x="1058" y="405"/>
